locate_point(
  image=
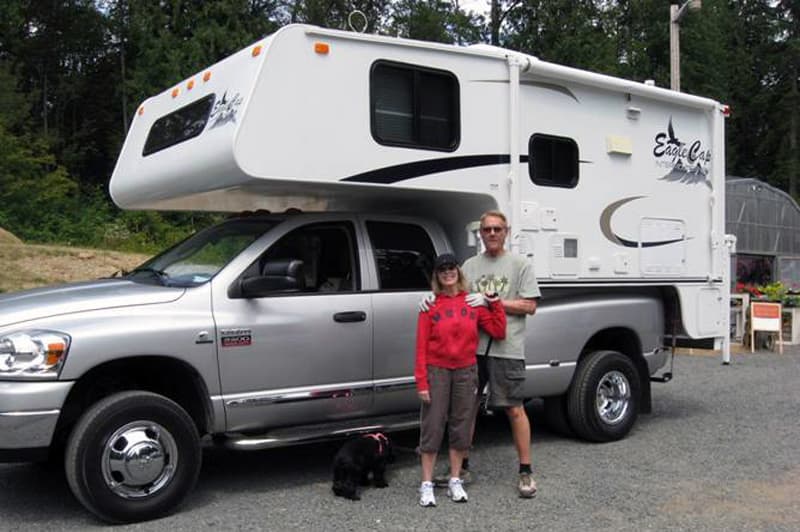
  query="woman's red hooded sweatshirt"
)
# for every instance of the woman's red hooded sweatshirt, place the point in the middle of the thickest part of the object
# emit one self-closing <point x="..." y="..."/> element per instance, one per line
<point x="447" y="335"/>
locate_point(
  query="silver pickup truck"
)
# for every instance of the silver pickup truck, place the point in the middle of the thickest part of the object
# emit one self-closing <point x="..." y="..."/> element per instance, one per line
<point x="269" y="330"/>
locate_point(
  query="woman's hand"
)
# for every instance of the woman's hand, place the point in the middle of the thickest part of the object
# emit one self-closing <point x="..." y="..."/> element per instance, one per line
<point x="425" y="396"/>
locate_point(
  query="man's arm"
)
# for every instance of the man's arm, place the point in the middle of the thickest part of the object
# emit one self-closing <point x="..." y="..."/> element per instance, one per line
<point x="520" y="306"/>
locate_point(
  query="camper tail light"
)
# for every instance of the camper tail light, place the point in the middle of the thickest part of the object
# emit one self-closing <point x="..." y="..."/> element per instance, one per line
<point x="322" y="48"/>
<point x="726" y="110"/>
<point x="33" y="355"/>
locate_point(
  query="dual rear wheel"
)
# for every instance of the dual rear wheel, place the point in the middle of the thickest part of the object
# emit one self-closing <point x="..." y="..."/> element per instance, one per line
<point x="603" y="401"/>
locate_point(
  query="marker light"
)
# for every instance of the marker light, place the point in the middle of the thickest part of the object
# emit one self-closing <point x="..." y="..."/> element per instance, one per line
<point x="141" y="110"/>
<point x="322" y="47"/>
<point x="256" y="50"/>
<point x="726" y="110"/>
<point x="190" y="85"/>
<point x="175" y="92"/>
<point x="207" y="76"/>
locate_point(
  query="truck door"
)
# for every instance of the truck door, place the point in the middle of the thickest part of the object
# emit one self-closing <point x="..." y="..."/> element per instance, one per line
<point x="301" y="353"/>
<point x="404" y="257"/>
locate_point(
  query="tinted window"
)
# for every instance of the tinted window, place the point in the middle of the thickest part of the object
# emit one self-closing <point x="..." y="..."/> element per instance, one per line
<point x="553" y="161"/>
<point x="178" y="126"/>
<point x="327" y="254"/>
<point x="414" y="107"/>
<point x="404" y="255"/>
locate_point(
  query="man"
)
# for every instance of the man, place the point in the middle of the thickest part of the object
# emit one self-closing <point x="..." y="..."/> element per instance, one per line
<point x="503" y="364"/>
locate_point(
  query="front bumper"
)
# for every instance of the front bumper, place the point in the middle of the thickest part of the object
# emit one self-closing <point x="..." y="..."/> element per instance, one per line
<point x="28" y="415"/>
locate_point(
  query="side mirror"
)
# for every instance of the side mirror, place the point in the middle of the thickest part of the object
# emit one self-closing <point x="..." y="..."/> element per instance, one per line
<point x="285" y="275"/>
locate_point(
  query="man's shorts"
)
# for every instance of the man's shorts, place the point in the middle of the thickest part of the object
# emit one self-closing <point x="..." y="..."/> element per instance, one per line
<point x="506" y="377"/>
<point x="453" y="393"/>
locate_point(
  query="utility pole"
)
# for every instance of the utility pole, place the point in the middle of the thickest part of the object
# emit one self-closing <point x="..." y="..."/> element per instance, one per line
<point x="677" y="11"/>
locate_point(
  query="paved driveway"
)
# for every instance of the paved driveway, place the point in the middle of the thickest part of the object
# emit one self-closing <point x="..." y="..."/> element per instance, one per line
<point x="721" y="451"/>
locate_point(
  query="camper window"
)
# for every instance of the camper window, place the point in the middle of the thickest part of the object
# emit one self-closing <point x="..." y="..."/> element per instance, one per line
<point x="404" y="255"/>
<point x="414" y="107"/>
<point x="553" y="161"/>
<point x="178" y="126"/>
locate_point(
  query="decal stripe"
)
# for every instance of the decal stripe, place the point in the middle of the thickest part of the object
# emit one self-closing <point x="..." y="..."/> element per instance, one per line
<point x="401" y="172"/>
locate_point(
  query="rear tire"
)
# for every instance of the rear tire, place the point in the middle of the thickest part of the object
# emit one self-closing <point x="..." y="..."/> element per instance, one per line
<point x="133" y="456"/>
<point x="603" y="401"/>
<point x="556" y="417"/>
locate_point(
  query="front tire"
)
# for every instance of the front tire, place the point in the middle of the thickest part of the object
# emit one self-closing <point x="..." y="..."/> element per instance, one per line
<point x="603" y="401"/>
<point x="133" y="456"/>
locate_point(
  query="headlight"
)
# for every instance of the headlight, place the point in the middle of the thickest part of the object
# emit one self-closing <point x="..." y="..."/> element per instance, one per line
<point x="32" y="354"/>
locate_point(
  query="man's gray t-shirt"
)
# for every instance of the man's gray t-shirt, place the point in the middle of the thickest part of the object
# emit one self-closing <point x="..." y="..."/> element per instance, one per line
<point x="512" y="277"/>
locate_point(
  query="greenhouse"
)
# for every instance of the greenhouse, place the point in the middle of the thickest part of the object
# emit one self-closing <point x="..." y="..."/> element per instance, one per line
<point x="766" y="222"/>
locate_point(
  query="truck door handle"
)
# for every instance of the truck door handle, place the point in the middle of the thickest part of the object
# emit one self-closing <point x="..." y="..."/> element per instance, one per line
<point x="344" y="317"/>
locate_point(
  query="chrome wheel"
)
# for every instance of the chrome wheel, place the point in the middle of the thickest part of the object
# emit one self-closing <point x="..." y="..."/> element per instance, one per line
<point x="613" y="397"/>
<point x="139" y="459"/>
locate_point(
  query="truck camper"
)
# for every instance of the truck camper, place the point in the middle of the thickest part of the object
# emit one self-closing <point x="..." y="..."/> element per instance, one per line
<point x="347" y="162"/>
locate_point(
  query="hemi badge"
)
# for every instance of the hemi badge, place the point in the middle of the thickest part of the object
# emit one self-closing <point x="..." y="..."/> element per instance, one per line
<point x="235" y="337"/>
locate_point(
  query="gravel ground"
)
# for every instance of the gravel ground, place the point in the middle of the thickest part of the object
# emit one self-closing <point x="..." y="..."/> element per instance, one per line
<point x="719" y="452"/>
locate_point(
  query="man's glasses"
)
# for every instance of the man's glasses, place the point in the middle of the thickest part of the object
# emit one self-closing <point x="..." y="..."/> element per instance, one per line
<point x="492" y="229"/>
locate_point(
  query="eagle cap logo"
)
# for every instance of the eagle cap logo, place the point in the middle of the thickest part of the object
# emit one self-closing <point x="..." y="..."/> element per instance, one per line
<point x="687" y="162"/>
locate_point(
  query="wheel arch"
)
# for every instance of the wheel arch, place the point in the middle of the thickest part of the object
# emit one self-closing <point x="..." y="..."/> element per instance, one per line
<point x="163" y="375"/>
<point x="627" y="342"/>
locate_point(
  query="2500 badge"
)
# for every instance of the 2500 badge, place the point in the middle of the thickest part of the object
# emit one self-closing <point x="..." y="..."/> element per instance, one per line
<point x="235" y="337"/>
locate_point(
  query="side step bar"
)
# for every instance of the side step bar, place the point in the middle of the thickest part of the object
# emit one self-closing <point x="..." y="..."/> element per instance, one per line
<point x="283" y="437"/>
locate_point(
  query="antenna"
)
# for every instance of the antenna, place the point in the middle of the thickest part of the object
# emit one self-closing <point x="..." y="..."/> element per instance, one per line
<point x="351" y="23"/>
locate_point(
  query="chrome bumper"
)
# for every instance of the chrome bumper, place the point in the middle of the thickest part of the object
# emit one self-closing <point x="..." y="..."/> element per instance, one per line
<point x="29" y="412"/>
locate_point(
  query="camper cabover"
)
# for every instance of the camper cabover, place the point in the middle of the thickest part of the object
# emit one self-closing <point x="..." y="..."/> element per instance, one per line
<point x="347" y="162"/>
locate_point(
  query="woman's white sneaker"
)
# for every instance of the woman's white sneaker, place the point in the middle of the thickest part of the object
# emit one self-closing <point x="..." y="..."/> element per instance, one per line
<point x="455" y="490"/>
<point x="426" y="497"/>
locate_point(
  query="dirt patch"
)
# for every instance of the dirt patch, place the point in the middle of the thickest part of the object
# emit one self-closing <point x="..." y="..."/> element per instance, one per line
<point x="761" y="503"/>
<point x="8" y="238"/>
<point x="30" y="266"/>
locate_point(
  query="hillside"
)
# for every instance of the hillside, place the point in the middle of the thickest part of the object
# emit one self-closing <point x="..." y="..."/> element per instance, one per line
<point x="29" y="266"/>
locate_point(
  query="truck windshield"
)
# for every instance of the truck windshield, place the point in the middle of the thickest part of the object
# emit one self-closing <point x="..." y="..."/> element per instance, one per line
<point x="198" y="258"/>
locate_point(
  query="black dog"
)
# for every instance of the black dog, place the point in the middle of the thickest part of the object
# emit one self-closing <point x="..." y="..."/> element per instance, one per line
<point x="358" y="457"/>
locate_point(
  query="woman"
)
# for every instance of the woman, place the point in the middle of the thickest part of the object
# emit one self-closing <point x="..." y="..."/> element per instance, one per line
<point x="446" y="371"/>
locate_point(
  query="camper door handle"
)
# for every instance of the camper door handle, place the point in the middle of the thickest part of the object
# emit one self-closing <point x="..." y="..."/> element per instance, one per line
<point x="344" y="317"/>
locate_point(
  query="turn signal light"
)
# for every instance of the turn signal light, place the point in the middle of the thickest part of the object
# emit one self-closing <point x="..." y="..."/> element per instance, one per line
<point x="322" y="47"/>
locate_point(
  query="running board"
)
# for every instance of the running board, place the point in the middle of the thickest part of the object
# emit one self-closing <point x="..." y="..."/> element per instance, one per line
<point x="283" y="437"/>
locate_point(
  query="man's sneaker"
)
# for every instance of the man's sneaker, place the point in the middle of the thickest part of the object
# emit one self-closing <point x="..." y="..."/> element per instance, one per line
<point x="526" y="486"/>
<point x="455" y="490"/>
<point x="426" y="497"/>
<point x="443" y="480"/>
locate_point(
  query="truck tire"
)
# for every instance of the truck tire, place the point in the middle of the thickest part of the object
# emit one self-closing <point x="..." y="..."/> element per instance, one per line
<point x="603" y="401"/>
<point x="133" y="456"/>
<point x="555" y="415"/>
